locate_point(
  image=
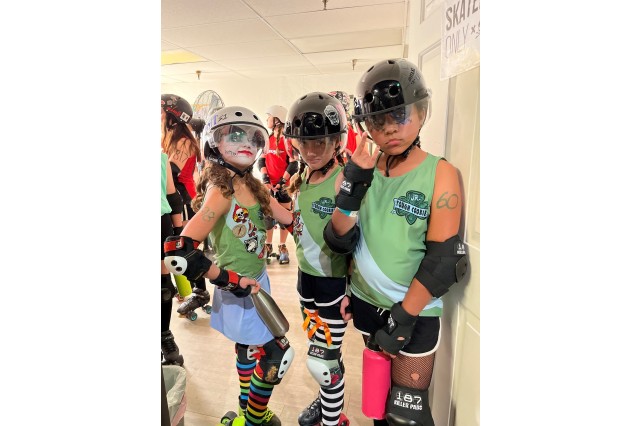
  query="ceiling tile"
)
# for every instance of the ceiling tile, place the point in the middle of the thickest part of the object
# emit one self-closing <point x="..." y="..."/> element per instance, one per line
<point x="245" y="50"/>
<point x="374" y="54"/>
<point x="182" y="13"/>
<point x="340" y="21"/>
<point x="240" y="64"/>
<point x="272" y="8"/>
<point x="362" y="39"/>
<point x="169" y="57"/>
<point x="220" y="33"/>
<point x="176" y="69"/>
<point x="280" y="71"/>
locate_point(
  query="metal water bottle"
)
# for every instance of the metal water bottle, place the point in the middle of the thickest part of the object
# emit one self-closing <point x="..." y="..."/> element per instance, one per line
<point x="376" y="380"/>
<point x="270" y="313"/>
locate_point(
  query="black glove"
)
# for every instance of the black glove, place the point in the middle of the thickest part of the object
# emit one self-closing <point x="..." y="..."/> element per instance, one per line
<point x="354" y="186"/>
<point x="230" y="281"/>
<point x="265" y="179"/>
<point x="399" y="325"/>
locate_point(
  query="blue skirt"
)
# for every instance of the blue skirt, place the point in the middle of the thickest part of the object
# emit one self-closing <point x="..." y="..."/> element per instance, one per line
<point x="236" y="317"/>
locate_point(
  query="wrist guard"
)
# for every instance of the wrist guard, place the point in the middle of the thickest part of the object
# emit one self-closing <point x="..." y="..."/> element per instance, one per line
<point x="354" y="186"/>
<point x="262" y="162"/>
<point x="396" y="334"/>
<point x="265" y="179"/>
<point x="177" y="230"/>
<point x="292" y="168"/>
<point x="182" y="257"/>
<point x="230" y="281"/>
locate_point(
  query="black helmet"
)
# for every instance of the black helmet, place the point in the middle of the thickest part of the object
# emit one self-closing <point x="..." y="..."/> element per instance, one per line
<point x="316" y="115"/>
<point x="197" y="124"/>
<point x="177" y="107"/>
<point x="387" y="85"/>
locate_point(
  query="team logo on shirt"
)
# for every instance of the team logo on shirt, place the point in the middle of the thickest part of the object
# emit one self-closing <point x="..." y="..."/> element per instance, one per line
<point x="240" y="214"/>
<point x="412" y="206"/>
<point x="323" y="207"/>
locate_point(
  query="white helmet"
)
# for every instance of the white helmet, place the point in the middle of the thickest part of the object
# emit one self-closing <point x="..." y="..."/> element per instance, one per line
<point x="277" y="111"/>
<point x="240" y="117"/>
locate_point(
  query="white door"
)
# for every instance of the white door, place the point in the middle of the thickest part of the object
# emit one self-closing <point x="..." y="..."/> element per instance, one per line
<point x="454" y="132"/>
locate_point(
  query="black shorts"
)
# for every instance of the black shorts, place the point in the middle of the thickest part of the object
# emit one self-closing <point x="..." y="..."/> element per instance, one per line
<point x="368" y="319"/>
<point x="320" y="291"/>
<point x="166" y="230"/>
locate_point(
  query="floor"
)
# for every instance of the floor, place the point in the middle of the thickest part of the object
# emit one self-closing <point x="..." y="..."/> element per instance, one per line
<point x="212" y="381"/>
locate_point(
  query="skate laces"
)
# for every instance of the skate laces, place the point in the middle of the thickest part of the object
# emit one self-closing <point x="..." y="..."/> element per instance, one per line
<point x="318" y="323"/>
<point x="268" y="415"/>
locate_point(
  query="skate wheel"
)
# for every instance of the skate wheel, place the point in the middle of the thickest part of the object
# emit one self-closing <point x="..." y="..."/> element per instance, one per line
<point x="193" y="316"/>
<point x="207" y="309"/>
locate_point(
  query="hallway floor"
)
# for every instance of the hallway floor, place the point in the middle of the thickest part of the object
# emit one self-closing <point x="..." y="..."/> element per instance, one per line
<point x="212" y="381"/>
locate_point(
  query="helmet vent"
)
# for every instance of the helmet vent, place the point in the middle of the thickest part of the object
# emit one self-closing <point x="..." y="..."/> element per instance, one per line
<point x="256" y="117"/>
<point x="369" y="70"/>
<point x="391" y="62"/>
<point x="320" y="97"/>
<point x="394" y="90"/>
<point x="368" y="98"/>
<point x="297" y="122"/>
<point x="303" y="98"/>
<point x="238" y="114"/>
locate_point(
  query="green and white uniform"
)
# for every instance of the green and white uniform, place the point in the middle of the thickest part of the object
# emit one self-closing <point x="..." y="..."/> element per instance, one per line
<point x="393" y="221"/>
<point x="312" y="210"/>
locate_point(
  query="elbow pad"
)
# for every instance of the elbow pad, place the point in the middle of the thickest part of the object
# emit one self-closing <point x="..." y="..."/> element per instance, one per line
<point x="175" y="202"/>
<point x="261" y="163"/>
<point x="341" y="244"/>
<point x="292" y="168"/>
<point x="444" y="265"/>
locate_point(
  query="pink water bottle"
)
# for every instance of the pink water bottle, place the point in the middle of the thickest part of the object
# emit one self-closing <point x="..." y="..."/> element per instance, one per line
<point x="376" y="380"/>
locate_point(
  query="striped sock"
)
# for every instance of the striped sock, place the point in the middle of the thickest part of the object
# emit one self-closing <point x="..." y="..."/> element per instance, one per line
<point x="244" y="374"/>
<point x="259" y="394"/>
<point x="333" y="398"/>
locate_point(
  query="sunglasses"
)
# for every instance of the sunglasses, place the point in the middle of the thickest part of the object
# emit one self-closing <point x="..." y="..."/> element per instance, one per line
<point x="377" y="122"/>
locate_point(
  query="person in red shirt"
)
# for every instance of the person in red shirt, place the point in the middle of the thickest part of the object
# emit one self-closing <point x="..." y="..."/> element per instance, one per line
<point x="277" y="167"/>
<point x="345" y="100"/>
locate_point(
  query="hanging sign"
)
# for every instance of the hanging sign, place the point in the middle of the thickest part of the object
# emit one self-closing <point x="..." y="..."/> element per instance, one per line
<point x="460" y="44"/>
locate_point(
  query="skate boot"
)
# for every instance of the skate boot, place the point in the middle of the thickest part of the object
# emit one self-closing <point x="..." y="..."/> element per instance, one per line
<point x="170" y="350"/>
<point x="270" y="253"/>
<point x="227" y="419"/>
<point x="269" y="419"/>
<point x="284" y="254"/>
<point x="198" y="299"/>
<point x="312" y="415"/>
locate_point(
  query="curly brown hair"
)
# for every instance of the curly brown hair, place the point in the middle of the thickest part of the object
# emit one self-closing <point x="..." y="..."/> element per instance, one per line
<point x="175" y="132"/>
<point x="218" y="176"/>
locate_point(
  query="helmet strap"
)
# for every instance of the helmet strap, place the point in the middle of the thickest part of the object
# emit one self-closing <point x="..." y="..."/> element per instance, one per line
<point x="324" y="168"/>
<point x="392" y="158"/>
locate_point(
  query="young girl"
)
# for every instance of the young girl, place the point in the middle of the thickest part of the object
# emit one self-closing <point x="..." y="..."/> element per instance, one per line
<point x="231" y="205"/>
<point x="277" y="167"/>
<point x="400" y="273"/>
<point x="183" y="149"/>
<point x="317" y="126"/>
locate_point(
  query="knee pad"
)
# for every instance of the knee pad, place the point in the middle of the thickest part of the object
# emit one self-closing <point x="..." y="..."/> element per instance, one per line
<point x="168" y="290"/>
<point x="277" y="358"/>
<point x="269" y="222"/>
<point x="408" y="407"/>
<point x="247" y="353"/>
<point x="324" y="364"/>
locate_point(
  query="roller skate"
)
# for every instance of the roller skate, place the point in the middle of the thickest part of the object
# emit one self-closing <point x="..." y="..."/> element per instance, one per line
<point x="312" y="415"/>
<point x="199" y="299"/>
<point x="270" y="253"/>
<point x="284" y="254"/>
<point x="170" y="350"/>
<point x="228" y="419"/>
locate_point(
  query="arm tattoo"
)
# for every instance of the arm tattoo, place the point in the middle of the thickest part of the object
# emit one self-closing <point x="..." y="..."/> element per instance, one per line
<point x="450" y="202"/>
<point x="207" y="214"/>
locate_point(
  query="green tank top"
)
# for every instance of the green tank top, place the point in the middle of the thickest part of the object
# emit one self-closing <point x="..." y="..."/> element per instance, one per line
<point x="239" y="239"/>
<point x="312" y="210"/>
<point x="393" y="221"/>
<point x="164" y="204"/>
